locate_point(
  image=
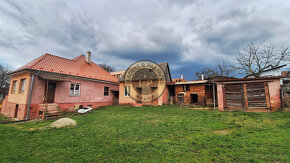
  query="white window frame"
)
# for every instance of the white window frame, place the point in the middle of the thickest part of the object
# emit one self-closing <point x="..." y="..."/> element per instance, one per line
<point x="126" y="93"/>
<point x="74" y="90"/>
<point x="14" y="87"/>
<point x="22" y="85"/>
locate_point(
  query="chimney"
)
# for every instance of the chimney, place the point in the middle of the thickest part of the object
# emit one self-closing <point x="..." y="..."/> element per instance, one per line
<point x="88" y="57"/>
<point x="202" y="77"/>
<point x="181" y="77"/>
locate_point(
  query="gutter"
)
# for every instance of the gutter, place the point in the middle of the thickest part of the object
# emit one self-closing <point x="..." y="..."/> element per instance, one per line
<point x="30" y="94"/>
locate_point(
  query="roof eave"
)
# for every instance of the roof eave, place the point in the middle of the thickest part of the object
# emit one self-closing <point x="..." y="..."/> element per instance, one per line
<point x="99" y="80"/>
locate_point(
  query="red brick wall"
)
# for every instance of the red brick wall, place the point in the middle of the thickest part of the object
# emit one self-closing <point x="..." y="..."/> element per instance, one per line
<point x="194" y="89"/>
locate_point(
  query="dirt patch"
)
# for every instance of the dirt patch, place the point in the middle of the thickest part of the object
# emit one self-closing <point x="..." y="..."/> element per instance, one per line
<point x="222" y="132"/>
<point x="63" y="122"/>
<point x="199" y="108"/>
<point x="154" y="121"/>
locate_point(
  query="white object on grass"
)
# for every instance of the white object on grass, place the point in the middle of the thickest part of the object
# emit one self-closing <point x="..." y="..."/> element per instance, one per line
<point x="84" y="110"/>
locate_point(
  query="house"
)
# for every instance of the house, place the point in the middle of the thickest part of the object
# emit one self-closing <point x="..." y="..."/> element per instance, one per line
<point x="249" y="94"/>
<point x="273" y="71"/>
<point x="181" y="79"/>
<point x="54" y="82"/>
<point x="165" y="98"/>
<point x="197" y="92"/>
<point x="117" y="74"/>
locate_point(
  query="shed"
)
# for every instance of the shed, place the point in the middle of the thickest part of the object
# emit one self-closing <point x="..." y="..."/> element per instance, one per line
<point x="249" y="94"/>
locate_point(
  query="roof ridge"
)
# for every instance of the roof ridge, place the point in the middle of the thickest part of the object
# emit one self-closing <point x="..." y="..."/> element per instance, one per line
<point x="65" y="58"/>
<point x="39" y="59"/>
<point x="77" y="58"/>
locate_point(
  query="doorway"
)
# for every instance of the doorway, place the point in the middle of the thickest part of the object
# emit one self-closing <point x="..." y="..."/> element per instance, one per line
<point x="16" y="111"/>
<point x="116" y="97"/>
<point x="194" y="98"/>
<point x="180" y="98"/>
<point x="50" y="88"/>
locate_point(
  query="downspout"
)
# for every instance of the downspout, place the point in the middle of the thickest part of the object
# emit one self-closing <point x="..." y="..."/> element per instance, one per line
<point x="30" y="94"/>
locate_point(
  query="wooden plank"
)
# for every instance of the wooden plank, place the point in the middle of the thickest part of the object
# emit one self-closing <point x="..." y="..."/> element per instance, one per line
<point x="257" y="103"/>
<point x="233" y="97"/>
<point x="232" y="93"/>
<point x="258" y="84"/>
<point x="246" y="97"/>
<point x="256" y="89"/>
<point x="256" y="95"/>
<point x="234" y="100"/>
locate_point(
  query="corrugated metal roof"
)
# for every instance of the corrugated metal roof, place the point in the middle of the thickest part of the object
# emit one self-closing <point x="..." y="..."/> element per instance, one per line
<point x="252" y="79"/>
<point x="191" y="82"/>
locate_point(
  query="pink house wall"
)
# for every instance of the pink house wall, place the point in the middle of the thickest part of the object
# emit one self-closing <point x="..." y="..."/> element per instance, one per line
<point x="220" y="96"/>
<point x="91" y="93"/>
<point x="274" y="91"/>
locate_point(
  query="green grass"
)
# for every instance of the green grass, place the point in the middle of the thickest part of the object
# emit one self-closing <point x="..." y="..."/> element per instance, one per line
<point x="2" y="118"/>
<point x="152" y="134"/>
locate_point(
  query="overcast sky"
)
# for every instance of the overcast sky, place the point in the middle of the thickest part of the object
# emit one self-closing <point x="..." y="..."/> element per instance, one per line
<point x="188" y="34"/>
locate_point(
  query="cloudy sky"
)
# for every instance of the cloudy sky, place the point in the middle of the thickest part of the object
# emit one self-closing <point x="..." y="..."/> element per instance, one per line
<point x="188" y="34"/>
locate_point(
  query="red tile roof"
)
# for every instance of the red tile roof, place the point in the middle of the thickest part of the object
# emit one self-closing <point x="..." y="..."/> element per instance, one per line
<point x="178" y="80"/>
<point x="75" y="67"/>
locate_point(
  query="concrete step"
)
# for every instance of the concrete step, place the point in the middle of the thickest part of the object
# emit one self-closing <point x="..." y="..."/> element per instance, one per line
<point x="53" y="115"/>
<point x="48" y="106"/>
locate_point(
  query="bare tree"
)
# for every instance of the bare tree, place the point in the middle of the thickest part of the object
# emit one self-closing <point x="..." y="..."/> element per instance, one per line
<point x="256" y="57"/>
<point x="222" y="69"/>
<point x="4" y="80"/>
<point x="106" y="67"/>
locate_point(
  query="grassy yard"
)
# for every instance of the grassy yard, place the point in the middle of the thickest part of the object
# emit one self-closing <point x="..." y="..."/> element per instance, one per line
<point x="158" y="134"/>
<point x="2" y="118"/>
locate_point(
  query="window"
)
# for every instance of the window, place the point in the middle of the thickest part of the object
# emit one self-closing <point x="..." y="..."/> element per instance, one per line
<point x="22" y="85"/>
<point x="180" y="98"/>
<point x="186" y="88"/>
<point x="14" y="86"/>
<point x="126" y="90"/>
<point x="193" y="98"/>
<point x="74" y="90"/>
<point x="106" y="91"/>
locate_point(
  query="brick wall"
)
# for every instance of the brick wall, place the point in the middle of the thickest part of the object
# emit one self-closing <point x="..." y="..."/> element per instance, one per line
<point x="198" y="89"/>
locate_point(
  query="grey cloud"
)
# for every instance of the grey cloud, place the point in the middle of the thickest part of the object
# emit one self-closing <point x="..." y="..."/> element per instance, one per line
<point x="186" y="34"/>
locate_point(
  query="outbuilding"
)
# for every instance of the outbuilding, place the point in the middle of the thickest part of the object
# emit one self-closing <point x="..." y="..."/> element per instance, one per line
<point x="249" y="94"/>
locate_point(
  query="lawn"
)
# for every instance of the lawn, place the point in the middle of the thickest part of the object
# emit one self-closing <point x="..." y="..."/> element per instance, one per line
<point x="2" y="118"/>
<point x="152" y="134"/>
